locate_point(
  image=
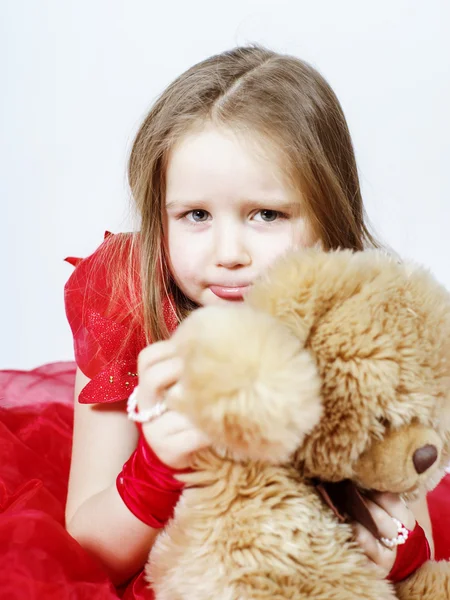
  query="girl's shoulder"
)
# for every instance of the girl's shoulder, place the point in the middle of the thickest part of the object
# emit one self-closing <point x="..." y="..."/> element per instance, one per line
<point x="103" y="303"/>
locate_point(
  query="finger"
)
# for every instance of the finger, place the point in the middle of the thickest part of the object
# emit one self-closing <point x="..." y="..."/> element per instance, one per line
<point x="169" y="424"/>
<point x="395" y="507"/>
<point x="383" y="520"/>
<point x="158" y="378"/>
<point x="175" y="393"/>
<point x="163" y="435"/>
<point x="191" y="440"/>
<point x="177" y="449"/>
<point x="380" y="555"/>
<point x="154" y="353"/>
<point x="187" y="443"/>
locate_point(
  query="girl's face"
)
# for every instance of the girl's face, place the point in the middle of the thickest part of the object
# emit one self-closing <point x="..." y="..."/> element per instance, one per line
<point x="229" y="214"/>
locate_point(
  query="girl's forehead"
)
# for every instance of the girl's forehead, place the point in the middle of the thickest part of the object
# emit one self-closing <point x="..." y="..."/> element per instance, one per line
<point x="212" y="160"/>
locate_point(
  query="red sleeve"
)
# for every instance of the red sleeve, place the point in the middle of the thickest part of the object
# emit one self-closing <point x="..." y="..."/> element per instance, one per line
<point x="439" y="507"/>
<point x="107" y="338"/>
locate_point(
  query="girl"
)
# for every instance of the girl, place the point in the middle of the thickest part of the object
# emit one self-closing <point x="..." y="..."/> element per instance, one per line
<point x="244" y="156"/>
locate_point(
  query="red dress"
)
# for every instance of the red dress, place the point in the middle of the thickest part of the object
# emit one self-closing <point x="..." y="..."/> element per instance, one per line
<point x="39" y="559"/>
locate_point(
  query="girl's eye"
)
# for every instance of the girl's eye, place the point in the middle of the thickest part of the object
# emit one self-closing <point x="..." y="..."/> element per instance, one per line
<point x="268" y="215"/>
<point x="198" y="216"/>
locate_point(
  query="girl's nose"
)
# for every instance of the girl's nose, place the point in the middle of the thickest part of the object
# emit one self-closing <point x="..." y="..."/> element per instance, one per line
<point x="230" y="247"/>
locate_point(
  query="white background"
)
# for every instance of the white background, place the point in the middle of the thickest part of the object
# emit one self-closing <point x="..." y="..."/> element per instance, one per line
<point x="77" y="77"/>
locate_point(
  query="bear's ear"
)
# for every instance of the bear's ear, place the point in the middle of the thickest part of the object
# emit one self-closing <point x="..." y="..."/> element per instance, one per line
<point x="248" y="383"/>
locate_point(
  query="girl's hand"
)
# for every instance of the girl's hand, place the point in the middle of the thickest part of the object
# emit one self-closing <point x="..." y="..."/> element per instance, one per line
<point x="172" y="436"/>
<point x="382" y="508"/>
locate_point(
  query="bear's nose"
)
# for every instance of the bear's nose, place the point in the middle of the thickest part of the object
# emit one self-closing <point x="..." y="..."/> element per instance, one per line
<point x="424" y="457"/>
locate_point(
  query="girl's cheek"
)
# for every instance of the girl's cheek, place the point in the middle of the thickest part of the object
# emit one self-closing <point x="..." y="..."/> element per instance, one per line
<point x="307" y="237"/>
<point x="294" y="237"/>
<point x="187" y="253"/>
<point x="287" y="239"/>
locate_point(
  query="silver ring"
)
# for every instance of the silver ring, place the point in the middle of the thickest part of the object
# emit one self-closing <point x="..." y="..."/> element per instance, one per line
<point x="147" y="415"/>
<point x="402" y="536"/>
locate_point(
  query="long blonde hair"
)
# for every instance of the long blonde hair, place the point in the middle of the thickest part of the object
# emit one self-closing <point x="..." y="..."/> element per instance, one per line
<point x="279" y="97"/>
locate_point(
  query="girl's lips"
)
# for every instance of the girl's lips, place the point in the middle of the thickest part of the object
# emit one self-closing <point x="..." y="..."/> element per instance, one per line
<point x="229" y="293"/>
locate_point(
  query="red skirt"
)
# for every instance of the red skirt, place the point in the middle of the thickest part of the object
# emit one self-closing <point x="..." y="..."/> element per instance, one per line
<point x="39" y="559"/>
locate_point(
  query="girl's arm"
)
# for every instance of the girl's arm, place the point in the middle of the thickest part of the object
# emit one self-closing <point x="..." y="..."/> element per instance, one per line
<point x="96" y="516"/>
<point x="103" y="440"/>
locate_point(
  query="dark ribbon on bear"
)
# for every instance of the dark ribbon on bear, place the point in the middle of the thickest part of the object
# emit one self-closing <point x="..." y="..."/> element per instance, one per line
<point x="347" y="502"/>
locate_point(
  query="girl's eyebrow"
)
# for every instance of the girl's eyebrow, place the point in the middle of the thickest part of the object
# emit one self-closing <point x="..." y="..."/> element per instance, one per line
<point x="179" y="203"/>
<point x="260" y="203"/>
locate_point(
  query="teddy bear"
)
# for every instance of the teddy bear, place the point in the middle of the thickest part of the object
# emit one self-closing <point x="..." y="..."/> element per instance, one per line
<point x="334" y="369"/>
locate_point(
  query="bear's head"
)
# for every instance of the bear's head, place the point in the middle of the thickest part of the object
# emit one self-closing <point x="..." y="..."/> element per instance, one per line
<point x="378" y="332"/>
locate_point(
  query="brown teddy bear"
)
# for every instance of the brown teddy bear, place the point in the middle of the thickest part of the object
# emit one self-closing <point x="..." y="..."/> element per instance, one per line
<point x="336" y="368"/>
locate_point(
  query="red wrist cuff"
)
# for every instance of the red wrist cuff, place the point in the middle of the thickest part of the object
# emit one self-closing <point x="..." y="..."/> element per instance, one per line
<point x="148" y="487"/>
<point x="411" y="555"/>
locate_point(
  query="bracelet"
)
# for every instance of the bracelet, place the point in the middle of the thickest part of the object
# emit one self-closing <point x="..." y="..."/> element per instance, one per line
<point x="147" y="415"/>
<point x="411" y="555"/>
<point x="401" y="538"/>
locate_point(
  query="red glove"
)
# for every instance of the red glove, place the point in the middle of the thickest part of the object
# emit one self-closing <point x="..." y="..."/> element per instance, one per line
<point x="148" y="487"/>
<point x="411" y="555"/>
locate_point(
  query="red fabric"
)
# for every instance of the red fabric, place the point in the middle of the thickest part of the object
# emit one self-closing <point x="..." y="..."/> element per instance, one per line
<point x="100" y="320"/>
<point x="439" y="506"/>
<point x="410" y="556"/>
<point x="38" y="558"/>
<point x="148" y="487"/>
